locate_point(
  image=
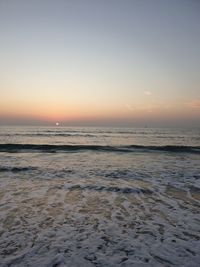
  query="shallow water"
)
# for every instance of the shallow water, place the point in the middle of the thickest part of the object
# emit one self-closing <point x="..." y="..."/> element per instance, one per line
<point x="99" y="207"/>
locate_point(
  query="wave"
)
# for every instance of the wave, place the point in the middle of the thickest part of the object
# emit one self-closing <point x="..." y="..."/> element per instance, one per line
<point x="14" y="148"/>
<point x="51" y="135"/>
<point x="16" y="169"/>
<point x="125" y="190"/>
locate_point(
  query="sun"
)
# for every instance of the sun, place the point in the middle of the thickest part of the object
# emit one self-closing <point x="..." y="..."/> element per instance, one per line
<point x="57" y="123"/>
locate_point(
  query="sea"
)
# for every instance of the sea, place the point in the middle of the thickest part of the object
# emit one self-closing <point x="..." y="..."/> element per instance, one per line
<point x="105" y="197"/>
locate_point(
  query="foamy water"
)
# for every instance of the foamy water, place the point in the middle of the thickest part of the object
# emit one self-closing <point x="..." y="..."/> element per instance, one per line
<point x="99" y="197"/>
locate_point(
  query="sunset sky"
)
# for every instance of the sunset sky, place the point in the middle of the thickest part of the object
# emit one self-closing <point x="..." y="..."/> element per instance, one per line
<point x="100" y="62"/>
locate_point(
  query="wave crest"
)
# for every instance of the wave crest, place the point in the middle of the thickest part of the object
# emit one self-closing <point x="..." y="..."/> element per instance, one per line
<point x="47" y="148"/>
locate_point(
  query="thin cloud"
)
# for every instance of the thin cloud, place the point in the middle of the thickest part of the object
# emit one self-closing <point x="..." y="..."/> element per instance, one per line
<point x="130" y="107"/>
<point x="148" y="93"/>
<point x="194" y="104"/>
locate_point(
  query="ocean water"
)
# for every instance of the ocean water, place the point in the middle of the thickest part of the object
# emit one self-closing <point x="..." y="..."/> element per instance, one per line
<point x="102" y="197"/>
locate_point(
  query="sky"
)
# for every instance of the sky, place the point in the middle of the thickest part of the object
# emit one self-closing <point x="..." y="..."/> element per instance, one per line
<point x="100" y="62"/>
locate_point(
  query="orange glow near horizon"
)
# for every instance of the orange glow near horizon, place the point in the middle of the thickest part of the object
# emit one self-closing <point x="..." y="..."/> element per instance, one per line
<point x="58" y="112"/>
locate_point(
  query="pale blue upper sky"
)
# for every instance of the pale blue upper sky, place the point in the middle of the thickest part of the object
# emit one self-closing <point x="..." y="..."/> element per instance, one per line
<point x="115" y="58"/>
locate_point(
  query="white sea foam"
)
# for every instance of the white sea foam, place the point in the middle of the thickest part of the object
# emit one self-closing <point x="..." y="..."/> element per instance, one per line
<point x="99" y="209"/>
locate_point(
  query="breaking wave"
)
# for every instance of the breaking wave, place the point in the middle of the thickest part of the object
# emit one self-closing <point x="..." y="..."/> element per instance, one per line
<point x="125" y="190"/>
<point x="101" y="148"/>
<point x="16" y="169"/>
